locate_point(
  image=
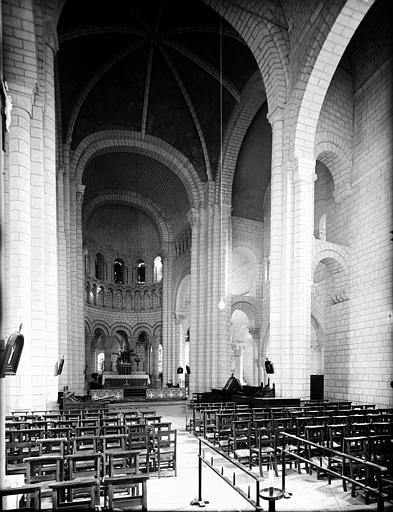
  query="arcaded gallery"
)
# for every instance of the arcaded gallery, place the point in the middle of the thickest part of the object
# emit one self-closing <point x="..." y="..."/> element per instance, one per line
<point x="196" y="261"/>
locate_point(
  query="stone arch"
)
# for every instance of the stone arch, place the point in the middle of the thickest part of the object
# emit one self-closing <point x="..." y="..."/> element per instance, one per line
<point x="266" y="34"/>
<point x="252" y="98"/>
<point x="325" y="54"/>
<point x="119" y="326"/>
<point x="88" y="330"/>
<point x="248" y="307"/>
<point x="336" y="258"/>
<point x="265" y="338"/>
<point x="100" y="324"/>
<point x="122" y="140"/>
<point x="140" y="327"/>
<point x="181" y="292"/>
<point x="317" y="310"/>
<point x="157" y="330"/>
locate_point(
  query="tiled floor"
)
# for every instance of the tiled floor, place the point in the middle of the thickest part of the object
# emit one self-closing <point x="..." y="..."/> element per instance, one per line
<point x="176" y="493"/>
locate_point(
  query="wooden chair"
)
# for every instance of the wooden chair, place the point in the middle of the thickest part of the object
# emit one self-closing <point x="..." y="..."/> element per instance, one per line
<point x="52" y="446"/>
<point x="33" y="491"/>
<point x="79" y="494"/>
<point x="140" y="440"/>
<point x="223" y="430"/>
<point x="89" y="422"/>
<point x="288" y="425"/>
<point x="358" y="447"/>
<point x="264" y="451"/>
<point x="316" y="434"/>
<point x="44" y="470"/>
<point x="87" y="431"/>
<point x="113" y="430"/>
<point x="112" y="444"/>
<point x="16" y="453"/>
<point x="240" y="441"/>
<point x="136" y="487"/>
<point x="83" y="444"/>
<point x="165" y="446"/>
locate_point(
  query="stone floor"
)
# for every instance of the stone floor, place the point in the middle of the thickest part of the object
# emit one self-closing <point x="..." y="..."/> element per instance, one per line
<point x="176" y="493"/>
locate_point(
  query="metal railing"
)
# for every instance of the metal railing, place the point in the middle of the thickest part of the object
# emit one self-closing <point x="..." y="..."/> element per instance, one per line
<point x="220" y="472"/>
<point x="376" y="468"/>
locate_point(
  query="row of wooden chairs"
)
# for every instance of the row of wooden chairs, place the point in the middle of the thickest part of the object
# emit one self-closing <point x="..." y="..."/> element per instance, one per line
<point x="146" y="438"/>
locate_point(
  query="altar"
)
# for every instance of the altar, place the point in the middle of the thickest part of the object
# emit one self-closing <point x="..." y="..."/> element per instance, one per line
<point x="129" y="384"/>
<point x="114" y="380"/>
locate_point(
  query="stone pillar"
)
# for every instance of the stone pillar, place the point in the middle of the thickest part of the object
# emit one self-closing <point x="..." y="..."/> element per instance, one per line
<point x="168" y="342"/>
<point x="194" y="219"/>
<point x="278" y="271"/>
<point x="50" y="219"/>
<point x="18" y="247"/>
<point x="299" y="319"/>
<point x="79" y="318"/>
<point x="256" y="337"/>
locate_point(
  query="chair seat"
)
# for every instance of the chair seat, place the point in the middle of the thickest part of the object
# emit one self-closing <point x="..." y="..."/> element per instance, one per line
<point x="223" y="442"/>
<point x="244" y="452"/>
<point x="267" y="449"/>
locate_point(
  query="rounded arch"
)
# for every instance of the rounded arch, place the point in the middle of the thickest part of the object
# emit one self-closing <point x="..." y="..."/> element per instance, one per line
<point x="122" y="140"/>
<point x="325" y="54"/>
<point x="336" y="156"/>
<point x="140" y="327"/>
<point x="157" y="331"/>
<point x="265" y="32"/>
<point x="88" y="330"/>
<point x="132" y="199"/>
<point x="100" y="324"/>
<point x="336" y="259"/>
<point x="250" y="309"/>
<point x="120" y="326"/>
<point x="182" y="294"/>
<point x="252" y="98"/>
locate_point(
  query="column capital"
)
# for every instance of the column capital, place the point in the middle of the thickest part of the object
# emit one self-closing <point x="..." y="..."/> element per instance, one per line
<point x="277" y="114"/>
<point x="304" y="169"/>
<point x="193" y="217"/>
<point x="179" y="317"/>
<point x="80" y="190"/>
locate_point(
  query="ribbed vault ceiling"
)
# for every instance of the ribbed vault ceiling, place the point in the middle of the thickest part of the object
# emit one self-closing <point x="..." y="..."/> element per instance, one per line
<point x="151" y="66"/>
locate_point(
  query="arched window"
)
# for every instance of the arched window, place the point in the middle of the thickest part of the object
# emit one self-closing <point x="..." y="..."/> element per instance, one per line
<point x="141" y="273"/>
<point x="157" y="269"/>
<point x="100" y="266"/>
<point x="100" y="362"/>
<point x="118" y="271"/>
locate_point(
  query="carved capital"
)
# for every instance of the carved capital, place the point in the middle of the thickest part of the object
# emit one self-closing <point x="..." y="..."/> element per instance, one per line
<point x="80" y="190"/>
<point x="275" y="115"/>
<point x="179" y="317"/>
<point x="304" y="170"/>
<point x="193" y="217"/>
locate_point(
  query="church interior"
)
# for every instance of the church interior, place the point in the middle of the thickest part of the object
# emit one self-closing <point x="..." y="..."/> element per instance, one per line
<point x="196" y="236"/>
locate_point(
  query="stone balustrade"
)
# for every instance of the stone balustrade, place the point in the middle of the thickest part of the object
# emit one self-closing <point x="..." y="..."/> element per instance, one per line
<point x="129" y="297"/>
